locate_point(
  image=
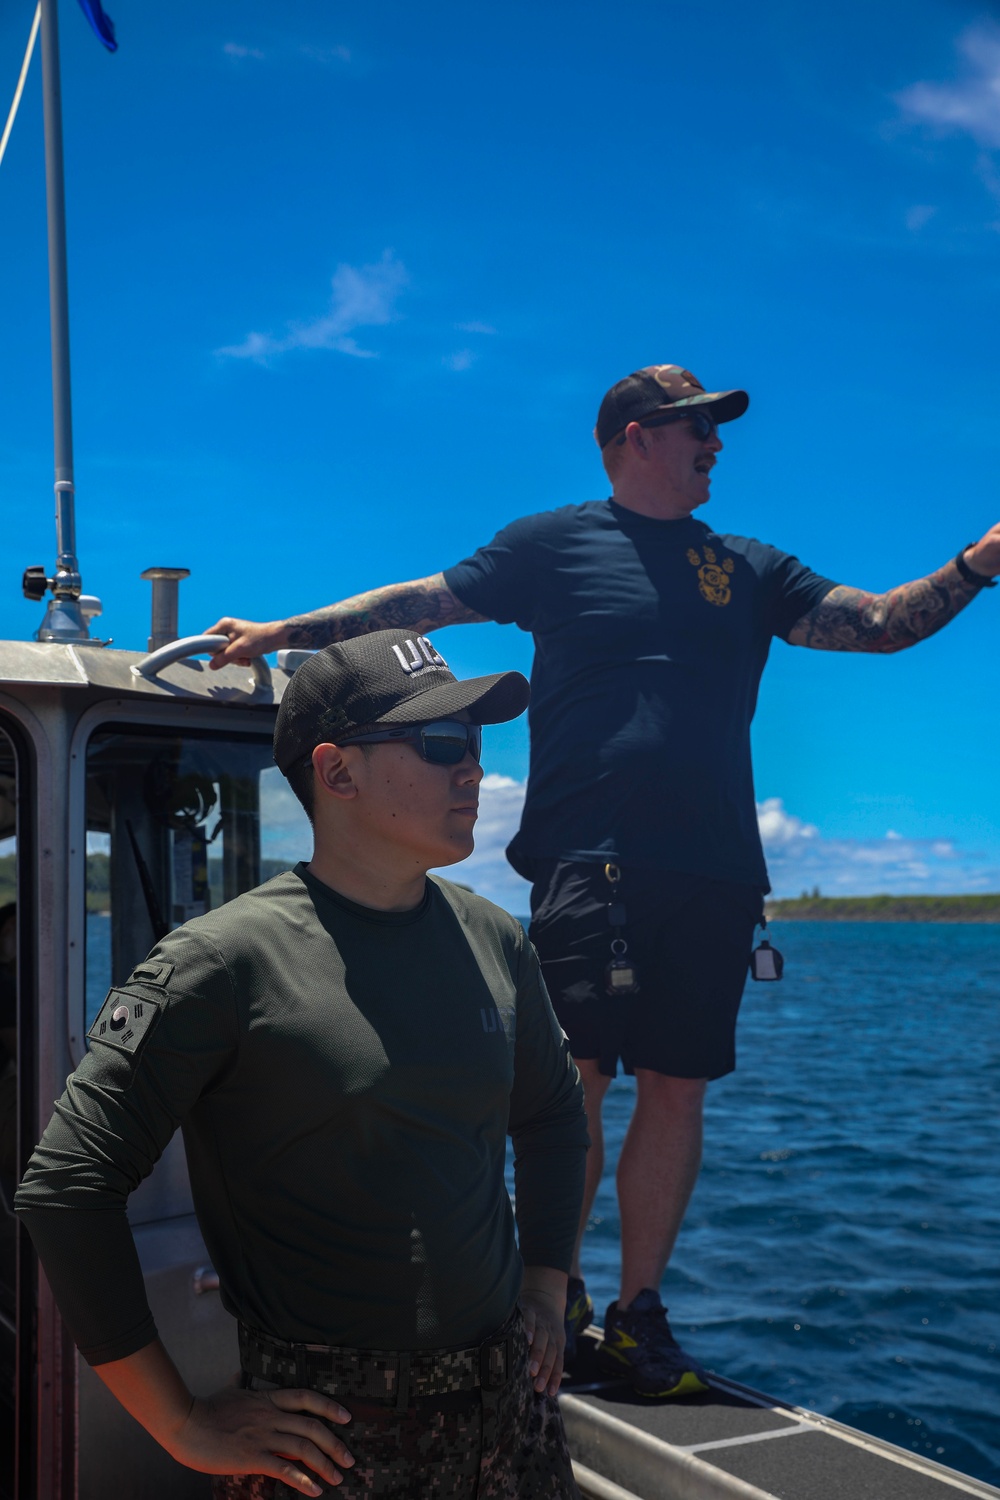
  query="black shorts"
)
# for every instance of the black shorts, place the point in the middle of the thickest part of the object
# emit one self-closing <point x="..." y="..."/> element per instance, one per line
<point x="690" y="939"/>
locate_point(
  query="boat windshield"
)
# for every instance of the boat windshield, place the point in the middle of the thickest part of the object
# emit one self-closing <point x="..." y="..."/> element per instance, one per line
<point x="178" y="822"/>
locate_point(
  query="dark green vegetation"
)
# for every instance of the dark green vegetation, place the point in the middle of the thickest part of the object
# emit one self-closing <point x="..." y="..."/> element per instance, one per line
<point x="98" y="882"/>
<point x="817" y="908"/>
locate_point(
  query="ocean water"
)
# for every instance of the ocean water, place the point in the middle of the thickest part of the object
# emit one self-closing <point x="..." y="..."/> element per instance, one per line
<point x="842" y="1249"/>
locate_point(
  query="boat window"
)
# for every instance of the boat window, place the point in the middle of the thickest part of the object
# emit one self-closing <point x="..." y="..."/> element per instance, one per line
<point x="178" y="822"/>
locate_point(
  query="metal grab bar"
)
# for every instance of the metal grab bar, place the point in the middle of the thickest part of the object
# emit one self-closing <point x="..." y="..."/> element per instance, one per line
<point x="198" y="645"/>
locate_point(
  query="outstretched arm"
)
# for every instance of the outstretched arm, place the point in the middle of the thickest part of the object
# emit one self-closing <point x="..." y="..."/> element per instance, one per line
<point x="422" y="604"/>
<point x="853" y="620"/>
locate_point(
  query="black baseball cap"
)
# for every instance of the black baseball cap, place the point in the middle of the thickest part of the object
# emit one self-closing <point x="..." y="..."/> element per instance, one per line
<point x="658" y="388"/>
<point x="387" y="677"/>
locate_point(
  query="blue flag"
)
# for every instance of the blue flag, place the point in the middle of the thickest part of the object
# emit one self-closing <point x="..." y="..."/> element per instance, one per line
<point x="102" y="24"/>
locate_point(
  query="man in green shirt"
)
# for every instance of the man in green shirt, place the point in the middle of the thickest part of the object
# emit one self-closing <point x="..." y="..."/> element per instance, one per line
<point x="346" y="1049"/>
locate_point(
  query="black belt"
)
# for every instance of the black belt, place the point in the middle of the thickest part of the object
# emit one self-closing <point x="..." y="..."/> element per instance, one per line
<point x="391" y="1375"/>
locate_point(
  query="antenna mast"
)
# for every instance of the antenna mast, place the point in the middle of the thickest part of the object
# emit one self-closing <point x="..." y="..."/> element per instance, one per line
<point x="64" y="618"/>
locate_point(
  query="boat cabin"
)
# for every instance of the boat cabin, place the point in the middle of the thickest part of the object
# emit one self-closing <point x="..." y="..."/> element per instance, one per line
<point x="136" y="791"/>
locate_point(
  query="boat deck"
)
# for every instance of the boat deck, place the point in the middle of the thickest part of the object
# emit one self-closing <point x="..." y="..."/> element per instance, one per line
<point x="733" y="1442"/>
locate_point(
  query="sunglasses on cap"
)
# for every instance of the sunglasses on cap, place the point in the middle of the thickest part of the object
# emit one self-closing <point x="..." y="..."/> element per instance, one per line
<point x="702" y="425"/>
<point x="443" y="742"/>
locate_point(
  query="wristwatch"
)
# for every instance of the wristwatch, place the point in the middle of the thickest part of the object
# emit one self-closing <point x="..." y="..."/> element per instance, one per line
<point x="968" y="574"/>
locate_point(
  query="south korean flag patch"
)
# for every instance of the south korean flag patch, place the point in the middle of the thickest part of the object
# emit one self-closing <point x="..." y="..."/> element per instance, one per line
<point x="125" y="1021"/>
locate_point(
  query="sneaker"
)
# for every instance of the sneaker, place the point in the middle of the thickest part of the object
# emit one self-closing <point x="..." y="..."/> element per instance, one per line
<point x="579" y="1314"/>
<point x="638" y="1340"/>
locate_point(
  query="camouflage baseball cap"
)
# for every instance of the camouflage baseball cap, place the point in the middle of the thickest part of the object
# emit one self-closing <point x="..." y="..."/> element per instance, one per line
<point x="657" y="388"/>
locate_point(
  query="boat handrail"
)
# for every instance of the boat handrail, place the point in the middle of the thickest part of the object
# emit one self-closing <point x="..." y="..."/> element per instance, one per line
<point x="198" y="645"/>
<point x="643" y="1464"/>
<point x="594" y="1486"/>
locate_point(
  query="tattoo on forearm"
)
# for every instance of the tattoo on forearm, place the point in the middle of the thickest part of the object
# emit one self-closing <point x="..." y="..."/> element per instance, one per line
<point x="424" y="604"/>
<point x="853" y="620"/>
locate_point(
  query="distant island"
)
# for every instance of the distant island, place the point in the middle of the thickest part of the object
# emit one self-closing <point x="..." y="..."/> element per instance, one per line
<point x="817" y="908"/>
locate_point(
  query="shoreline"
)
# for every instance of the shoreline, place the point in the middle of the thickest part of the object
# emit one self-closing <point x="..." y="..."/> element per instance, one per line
<point x="978" y="910"/>
<point x="830" y="917"/>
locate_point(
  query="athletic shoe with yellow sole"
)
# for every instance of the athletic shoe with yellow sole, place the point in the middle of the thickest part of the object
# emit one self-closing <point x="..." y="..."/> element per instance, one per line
<point x="639" y="1347"/>
<point x="579" y="1315"/>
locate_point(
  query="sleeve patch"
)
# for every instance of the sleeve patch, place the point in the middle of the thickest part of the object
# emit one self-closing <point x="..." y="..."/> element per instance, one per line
<point x="152" y="973"/>
<point x="125" y="1020"/>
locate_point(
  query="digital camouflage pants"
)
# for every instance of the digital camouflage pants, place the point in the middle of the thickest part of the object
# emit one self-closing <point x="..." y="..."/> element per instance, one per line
<point x="471" y="1444"/>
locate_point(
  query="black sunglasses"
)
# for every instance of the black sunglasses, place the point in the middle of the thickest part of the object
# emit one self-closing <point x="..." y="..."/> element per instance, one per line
<point x="444" y="742"/>
<point x="702" y="425"/>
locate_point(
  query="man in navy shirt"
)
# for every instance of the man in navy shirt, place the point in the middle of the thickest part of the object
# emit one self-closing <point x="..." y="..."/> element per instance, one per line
<point x="639" y="828"/>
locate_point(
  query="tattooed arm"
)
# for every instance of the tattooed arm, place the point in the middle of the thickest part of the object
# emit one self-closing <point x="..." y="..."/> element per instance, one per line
<point x="853" y="620"/>
<point x="423" y="604"/>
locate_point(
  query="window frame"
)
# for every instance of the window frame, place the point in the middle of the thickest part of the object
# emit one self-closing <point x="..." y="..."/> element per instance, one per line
<point x="25" y="734"/>
<point x="122" y="715"/>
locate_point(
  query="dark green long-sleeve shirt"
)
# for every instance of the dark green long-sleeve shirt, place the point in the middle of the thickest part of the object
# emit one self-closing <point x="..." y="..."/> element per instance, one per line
<point x="345" y="1079"/>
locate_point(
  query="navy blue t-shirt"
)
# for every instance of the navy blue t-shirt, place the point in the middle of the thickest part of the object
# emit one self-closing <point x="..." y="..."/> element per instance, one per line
<point x="650" y="638"/>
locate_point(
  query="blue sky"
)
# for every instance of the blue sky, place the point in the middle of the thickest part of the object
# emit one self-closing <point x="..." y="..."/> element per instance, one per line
<point x="347" y="285"/>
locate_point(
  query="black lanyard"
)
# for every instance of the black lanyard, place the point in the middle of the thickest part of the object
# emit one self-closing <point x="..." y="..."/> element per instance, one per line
<point x="620" y="976"/>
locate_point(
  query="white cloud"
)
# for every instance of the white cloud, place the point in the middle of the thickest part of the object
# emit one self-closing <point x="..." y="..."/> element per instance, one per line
<point x="798" y="856"/>
<point x="970" y="103"/>
<point x="487" y="871"/>
<point x="475" y="327"/>
<point x="362" y="297"/>
<point x="919" y="215"/>
<point x="461" y="360"/>
<point x="779" y="828"/>
<point x="335" y="56"/>
<point x="326" y="55"/>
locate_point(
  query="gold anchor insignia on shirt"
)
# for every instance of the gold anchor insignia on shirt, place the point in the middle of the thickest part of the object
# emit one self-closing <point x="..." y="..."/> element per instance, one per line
<point x="713" y="576"/>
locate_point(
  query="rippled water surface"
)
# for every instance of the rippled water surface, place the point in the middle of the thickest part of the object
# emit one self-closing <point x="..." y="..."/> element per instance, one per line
<point x="842" y="1250"/>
